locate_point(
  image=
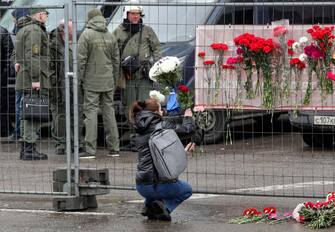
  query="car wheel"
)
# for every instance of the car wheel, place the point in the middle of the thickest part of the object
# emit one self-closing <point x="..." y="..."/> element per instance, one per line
<point x="212" y="123"/>
<point x="318" y="140"/>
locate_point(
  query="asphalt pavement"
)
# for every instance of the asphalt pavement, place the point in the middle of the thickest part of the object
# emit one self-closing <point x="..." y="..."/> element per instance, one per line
<point x="120" y="211"/>
<point x="259" y="169"/>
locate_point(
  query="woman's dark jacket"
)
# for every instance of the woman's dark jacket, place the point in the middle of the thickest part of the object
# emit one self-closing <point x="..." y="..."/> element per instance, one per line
<point x="145" y="122"/>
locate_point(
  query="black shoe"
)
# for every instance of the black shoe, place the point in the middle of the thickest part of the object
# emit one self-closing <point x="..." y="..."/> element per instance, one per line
<point x="158" y="211"/>
<point x="147" y="213"/>
<point x="34" y="156"/>
<point x="29" y="152"/>
<point x="60" y="151"/>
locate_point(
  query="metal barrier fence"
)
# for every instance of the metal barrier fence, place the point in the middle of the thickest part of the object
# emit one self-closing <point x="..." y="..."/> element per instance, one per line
<point x="17" y="174"/>
<point x="252" y="153"/>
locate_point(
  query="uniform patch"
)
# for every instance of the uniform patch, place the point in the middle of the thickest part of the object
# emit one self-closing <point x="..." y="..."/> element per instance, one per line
<point x="36" y="49"/>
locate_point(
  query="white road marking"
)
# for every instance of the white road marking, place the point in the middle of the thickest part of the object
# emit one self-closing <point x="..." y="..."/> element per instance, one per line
<point x="55" y="212"/>
<point x="282" y="187"/>
<point x="193" y="197"/>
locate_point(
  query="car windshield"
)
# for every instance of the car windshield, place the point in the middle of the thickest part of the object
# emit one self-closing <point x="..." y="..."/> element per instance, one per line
<point x="171" y="23"/>
<point x="55" y="14"/>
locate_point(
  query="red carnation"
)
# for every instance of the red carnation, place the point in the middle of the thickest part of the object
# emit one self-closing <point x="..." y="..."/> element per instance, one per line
<point x="331" y="76"/>
<point x="183" y="88"/>
<point x="290" y="52"/>
<point x="267" y="49"/>
<point x="201" y="54"/>
<point x="209" y="62"/>
<point x="219" y="46"/>
<point x="225" y="66"/>
<point x="279" y="31"/>
<point x="290" y="42"/>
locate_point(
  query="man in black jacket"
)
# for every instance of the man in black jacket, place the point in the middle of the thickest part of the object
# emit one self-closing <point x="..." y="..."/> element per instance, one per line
<point x="6" y="51"/>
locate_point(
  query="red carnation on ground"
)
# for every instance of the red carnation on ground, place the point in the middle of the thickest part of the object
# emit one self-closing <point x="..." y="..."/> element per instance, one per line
<point x="269" y="210"/>
<point x="309" y="204"/>
<point x="250" y="212"/>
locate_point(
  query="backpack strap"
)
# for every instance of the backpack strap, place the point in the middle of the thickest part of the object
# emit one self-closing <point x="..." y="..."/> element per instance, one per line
<point x="159" y="126"/>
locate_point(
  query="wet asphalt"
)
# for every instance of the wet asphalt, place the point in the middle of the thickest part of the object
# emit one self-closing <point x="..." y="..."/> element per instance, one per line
<point x="274" y="163"/>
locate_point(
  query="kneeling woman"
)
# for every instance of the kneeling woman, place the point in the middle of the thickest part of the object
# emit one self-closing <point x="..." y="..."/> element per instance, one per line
<point x="161" y="198"/>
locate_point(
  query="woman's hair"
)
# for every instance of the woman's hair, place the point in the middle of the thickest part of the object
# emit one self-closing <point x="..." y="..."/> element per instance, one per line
<point x="149" y="104"/>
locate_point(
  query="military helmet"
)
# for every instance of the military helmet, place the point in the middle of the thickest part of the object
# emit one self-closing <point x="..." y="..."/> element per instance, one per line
<point x="132" y="8"/>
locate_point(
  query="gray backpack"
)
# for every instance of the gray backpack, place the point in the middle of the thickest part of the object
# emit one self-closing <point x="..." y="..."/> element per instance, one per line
<point x="167" y="152"/>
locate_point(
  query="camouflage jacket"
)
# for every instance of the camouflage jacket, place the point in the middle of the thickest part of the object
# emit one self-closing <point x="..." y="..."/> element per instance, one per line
<point x="149" y="48"/>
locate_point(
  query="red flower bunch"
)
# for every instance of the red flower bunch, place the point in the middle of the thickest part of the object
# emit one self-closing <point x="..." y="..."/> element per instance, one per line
<point x="219" y="46"/>
<point x="262" y="45"/>
<point x="183" y="88"/>
<point x="244" y="40"/>
<point x="290" y="42"/>
<point x="317" y="205"/>
<point x="322" y="35"/>
<point x="251" y="212"/>
<point x="296" y="63"/>
<point x="185" y="97"/>
<point x="209" y="62"/>
<point x="279" y="31"/>
<point x="201" y="54"/>
<point x="331" y="196"/>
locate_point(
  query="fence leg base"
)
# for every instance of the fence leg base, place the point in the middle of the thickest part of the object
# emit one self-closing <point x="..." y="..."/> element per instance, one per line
<point x="70" y="203"/>
<point x="92" y="202"/>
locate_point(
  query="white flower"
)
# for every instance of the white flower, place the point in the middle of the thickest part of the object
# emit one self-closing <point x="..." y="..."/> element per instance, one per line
<point x="303" y="39"/>
<point x="303" y="57"/>
<point x="296" y="211"/>
<point x="295" y="46"/>
<point x="154" y="71"/>
<point x="157" y="95"/>
<point x="169" y="64"/>
<point x="164" y="65"/>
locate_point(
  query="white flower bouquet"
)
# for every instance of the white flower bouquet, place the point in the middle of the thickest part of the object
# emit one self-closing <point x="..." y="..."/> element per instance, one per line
<point x="166" y="71"/>
<point x="154" y="94"/>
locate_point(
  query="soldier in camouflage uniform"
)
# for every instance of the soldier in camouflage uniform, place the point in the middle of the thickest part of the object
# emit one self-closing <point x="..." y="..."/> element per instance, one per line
<point x="135" y="38"/>
<point x="57" y="92"/>
<point x="98" y="61"/>
<point x="31" y="64"/>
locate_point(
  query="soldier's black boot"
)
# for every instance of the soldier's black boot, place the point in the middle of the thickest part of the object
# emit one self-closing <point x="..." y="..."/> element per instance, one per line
<point x="29" y="152"/>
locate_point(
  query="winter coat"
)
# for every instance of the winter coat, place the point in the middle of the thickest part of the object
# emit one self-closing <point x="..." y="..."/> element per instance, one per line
<point x="6" y="51"/>
<point x="145" y="122"/>
<point x="32" y="48"/>
<point x="149" y="48"/>
<point x="98" y="57"/>
<point x="57" y="66"/>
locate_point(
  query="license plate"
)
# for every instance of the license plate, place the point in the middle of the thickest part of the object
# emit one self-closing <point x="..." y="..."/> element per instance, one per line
<point x="324" y="120"/>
